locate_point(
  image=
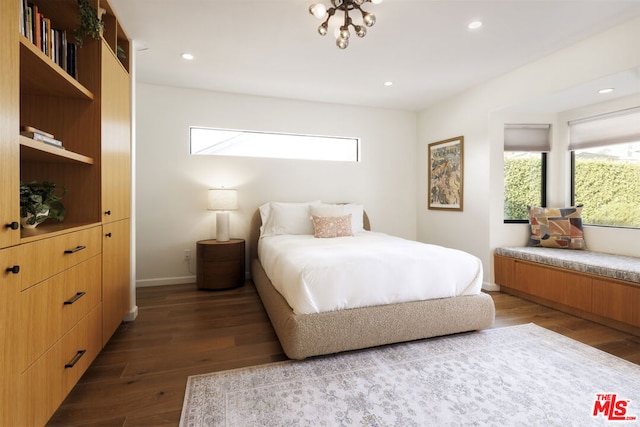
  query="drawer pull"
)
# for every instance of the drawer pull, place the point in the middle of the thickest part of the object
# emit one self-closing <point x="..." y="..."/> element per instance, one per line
<point x="75" y="359"/>
<point x="108" y="235"/>
<point x="13" y="225"/>
<point x="107" y="212"/>
<point x="15" y="269"/>
<point x="74" y="250"/>
<point x="75" y="298"/>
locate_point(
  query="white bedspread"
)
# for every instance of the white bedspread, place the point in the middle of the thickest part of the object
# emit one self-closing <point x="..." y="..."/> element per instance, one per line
<point x="370" y="268"/>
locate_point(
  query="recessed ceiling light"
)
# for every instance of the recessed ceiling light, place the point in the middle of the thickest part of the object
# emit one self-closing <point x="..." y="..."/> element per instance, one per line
<point x="388" y="83"/>
<point x="474" y="25"/>
<point x="187" y="56"/>
<point x="606" y="90"/>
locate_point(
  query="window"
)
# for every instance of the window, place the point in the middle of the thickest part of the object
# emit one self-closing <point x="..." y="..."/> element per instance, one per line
<point x="525" y="169"/>
<point x="227" y="142"/>
<point x="605" y="168"/>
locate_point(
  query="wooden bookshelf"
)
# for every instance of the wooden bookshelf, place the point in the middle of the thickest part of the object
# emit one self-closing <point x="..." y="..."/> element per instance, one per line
<point x="115" y="36"/>
<point x="40" y="75"/>
<point x="53" y="229"/>
<point x="37" y="151"/>
<point x="90" y="113"/>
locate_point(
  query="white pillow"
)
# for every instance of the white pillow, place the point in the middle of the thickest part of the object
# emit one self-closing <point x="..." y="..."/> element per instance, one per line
<point x="357" y="216"/>
<point x="286" y="218"/>
<point x="325" y="209"/>
<point x="356" y="211"/>
<point x="264" y="209"/>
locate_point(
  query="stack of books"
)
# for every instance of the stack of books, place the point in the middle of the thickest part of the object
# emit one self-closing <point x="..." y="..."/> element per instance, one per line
<point x="53" y="43"/>
<point x="38" y="135"/>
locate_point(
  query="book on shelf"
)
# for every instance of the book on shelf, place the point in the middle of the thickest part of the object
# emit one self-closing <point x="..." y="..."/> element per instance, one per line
<point x="40" y="31"/>
<point x="39" y="137"/>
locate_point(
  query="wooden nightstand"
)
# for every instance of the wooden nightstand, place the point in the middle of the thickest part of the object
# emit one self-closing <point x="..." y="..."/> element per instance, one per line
<point x="220" y="265"/>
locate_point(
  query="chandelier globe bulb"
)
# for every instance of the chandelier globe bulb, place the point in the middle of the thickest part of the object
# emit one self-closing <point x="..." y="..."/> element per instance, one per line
<point x="360" y="31"/>
<point x="322" y="29"/>
<point x="359" y="2"/>
<point x="318" y="10"/>
<point x="376" y="1"/>
<point x="344" y="33"/>
<point x="342" y="43"/>
<point x="369" y="19"/>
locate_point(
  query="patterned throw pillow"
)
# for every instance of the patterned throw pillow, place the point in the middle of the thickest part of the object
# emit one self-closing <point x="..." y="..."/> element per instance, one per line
<point x="332" y="226"/>
<point x="556" y="227"/>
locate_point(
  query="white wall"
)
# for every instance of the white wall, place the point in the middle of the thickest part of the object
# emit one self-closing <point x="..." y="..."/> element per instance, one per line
<point x="171" y="184"/>
<point x="480" y="228"/>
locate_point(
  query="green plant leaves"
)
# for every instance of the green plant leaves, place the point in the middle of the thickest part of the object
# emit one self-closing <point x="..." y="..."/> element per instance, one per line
<point x="39" y="201"/>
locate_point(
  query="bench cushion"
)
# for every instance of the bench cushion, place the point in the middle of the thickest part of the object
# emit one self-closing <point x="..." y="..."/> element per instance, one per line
<point x="608" y="265"/>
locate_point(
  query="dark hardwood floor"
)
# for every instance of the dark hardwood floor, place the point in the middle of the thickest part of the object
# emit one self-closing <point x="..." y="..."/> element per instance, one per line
<point x="139" y="378"/>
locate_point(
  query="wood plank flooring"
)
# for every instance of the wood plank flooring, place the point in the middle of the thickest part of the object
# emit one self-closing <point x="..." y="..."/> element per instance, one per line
<point x="139" y="378"/>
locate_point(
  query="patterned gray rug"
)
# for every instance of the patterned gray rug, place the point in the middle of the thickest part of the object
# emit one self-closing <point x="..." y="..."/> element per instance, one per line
<point x="517" y="376"/>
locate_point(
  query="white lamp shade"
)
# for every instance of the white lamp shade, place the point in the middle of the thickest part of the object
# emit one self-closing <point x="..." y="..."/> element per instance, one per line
<point x="222" y="199"/>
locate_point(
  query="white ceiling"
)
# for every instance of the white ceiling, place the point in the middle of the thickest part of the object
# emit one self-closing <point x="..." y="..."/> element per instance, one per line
<point x="271" y="47"/>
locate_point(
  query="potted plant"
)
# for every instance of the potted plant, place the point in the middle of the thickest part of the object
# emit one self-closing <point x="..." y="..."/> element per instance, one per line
<point x="39" y="201"/>
<point x="91" y="24"/>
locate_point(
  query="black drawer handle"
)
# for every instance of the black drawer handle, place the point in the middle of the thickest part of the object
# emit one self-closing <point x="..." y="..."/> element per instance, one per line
<point x="107" y="212"/>
<point x="14" y="225"/>
<point x="108" y="235"/>
<point x="74" y="250"/>
<point x="75" y="298"/>
<point x="15" y="269"/>
<point x="75" y="359"/>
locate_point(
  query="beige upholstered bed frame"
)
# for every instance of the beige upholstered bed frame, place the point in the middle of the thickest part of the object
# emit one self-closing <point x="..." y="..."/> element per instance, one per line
<point x="306" y="335"/>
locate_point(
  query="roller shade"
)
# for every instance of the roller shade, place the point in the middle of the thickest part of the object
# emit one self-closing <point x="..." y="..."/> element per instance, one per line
<point x="618" y="127"/>
<point x="527" y="137"/>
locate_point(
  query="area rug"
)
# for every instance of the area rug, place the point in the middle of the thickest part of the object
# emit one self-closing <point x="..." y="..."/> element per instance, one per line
<point x="515" y="376"/>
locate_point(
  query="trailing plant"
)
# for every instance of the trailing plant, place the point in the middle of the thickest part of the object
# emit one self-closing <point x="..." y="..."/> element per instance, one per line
<point x="39" y="201"/>
<point x="90" y="24"/>
<point x="120" y="52"/>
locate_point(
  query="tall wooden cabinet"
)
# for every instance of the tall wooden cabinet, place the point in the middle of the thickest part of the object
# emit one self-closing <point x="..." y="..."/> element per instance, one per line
<point x="116" y="183"/>
<point x="64" y="287"/>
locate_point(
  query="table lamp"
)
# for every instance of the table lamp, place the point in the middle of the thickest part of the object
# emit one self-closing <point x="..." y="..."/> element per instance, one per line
<point x="222" y="200"/>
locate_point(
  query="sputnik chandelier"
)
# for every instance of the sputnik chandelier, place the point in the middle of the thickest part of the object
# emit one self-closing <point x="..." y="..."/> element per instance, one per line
<point x="320" y="11"/>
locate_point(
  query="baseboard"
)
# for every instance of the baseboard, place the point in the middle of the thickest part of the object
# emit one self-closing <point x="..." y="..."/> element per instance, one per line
<point x="490" y="287"/>
<point x="132" y="314"/>
<point x="165" y="281"/>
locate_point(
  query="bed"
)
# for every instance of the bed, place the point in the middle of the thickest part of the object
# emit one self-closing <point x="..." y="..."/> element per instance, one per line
<point x="311" y="331"/>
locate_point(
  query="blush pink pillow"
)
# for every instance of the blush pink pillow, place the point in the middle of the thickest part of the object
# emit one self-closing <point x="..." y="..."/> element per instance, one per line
<point x="332" y="226"/>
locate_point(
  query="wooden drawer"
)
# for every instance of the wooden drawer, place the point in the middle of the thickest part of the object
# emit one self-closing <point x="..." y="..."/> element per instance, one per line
<point x="44" y="258"/>
<point x="616" y="301"/>
<point x="504" y="270"/>
<point x="47" y="382"/>
<point x="52" y="307"/>
<point x="220" y="265"/>
<point x="554" y="284"/>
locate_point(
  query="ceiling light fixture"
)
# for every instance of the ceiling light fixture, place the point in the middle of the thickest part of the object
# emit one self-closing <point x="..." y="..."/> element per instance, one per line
<point x="187" y="56"/>
<point x="606" y="90"/>
<point x="320" y="11"/>
<point x="474" y="25"/>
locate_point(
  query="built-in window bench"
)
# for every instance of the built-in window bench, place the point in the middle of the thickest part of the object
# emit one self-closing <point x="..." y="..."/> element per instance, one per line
<point x="601" y="287"/>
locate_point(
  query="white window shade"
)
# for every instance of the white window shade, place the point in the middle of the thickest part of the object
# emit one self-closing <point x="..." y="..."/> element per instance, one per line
<point x="607" y="129"/>
<point x="527" y="137"/>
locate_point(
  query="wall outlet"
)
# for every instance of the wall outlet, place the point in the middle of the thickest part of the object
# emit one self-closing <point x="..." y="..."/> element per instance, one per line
<point x="187" y="254"/>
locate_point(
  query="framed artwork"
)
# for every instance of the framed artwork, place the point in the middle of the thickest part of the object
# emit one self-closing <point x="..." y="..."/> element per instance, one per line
<point x="445" y="174"/>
